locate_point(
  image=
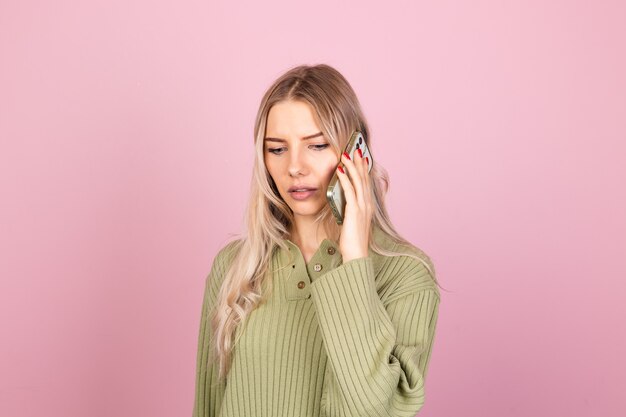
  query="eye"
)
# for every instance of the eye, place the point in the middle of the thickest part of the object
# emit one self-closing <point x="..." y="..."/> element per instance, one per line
<point x="275" y="150"/>
<point x="278" y="151"/>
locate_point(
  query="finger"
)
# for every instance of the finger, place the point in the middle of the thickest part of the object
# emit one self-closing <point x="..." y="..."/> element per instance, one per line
<point x="367" y="178"/>
<point x="358" y="162"/>
<point x="362" y="168"/>
<point x="354" y="177"/>
<point x="364" y="177"/>
<point x="348" y="189"/>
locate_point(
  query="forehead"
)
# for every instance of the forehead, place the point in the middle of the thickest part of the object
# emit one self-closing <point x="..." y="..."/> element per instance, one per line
<point x="291" y="117"/>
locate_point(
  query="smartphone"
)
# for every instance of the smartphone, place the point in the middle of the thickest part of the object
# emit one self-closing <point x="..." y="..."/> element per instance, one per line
<point x="334" y="192"/>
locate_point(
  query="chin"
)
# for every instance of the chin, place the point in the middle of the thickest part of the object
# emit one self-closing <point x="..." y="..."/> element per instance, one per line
<point x="307" y="208"/>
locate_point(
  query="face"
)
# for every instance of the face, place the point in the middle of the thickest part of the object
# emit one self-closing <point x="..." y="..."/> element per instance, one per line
<point x="298" y="155"/>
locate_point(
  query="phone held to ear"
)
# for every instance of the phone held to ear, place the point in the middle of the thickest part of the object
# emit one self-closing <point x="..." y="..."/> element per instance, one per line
<point x="334" y="192"/>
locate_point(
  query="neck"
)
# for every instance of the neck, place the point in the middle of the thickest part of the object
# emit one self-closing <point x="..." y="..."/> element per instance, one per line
<point x="308" y="234"/>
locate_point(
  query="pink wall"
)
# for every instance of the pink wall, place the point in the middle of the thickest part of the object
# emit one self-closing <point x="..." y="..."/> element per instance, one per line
<point x="125" y="157"/>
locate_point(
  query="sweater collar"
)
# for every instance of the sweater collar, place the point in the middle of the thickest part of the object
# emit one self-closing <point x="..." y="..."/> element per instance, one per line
<point x="330" y="248"/>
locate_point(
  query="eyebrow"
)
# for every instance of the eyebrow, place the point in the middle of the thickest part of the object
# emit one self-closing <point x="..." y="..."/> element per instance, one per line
<point x="284" y="141"/>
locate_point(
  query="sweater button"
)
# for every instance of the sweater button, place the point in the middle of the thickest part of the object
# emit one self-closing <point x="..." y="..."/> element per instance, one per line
<point x="317" y="267"/>
<point x="301" y="284"/>
<point x="331" y="250"/>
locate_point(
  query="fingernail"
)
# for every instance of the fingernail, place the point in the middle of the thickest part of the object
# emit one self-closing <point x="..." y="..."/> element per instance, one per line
<point x="367" y="160"/>
<point x="360" y="153"/>
<point x="340" y="169"/>
<point x="347" y="156"/>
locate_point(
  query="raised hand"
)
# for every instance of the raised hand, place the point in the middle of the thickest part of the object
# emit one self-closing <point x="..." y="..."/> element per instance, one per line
<point x="357" y="190"/>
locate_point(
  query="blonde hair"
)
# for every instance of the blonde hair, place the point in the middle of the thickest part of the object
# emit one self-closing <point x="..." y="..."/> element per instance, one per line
<point x="269" y="219"/>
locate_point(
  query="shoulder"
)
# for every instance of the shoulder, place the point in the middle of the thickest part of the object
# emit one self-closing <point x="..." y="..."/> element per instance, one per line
<point x="410" y="270"/>
<point x="227" y="252"/>
<point x="222" y="261"/>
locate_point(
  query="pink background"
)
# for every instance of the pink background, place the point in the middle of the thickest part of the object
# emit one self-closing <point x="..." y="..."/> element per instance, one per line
<point x="126" y="154"/>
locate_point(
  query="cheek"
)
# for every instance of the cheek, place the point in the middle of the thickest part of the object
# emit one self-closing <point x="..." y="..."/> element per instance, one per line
<point x="328" y="173"/>
<point x="270" y="167"/>
<point x="270" y="172"/>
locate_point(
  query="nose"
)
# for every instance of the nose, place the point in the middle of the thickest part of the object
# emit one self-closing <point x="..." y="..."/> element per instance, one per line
<point x="296" y="163"/>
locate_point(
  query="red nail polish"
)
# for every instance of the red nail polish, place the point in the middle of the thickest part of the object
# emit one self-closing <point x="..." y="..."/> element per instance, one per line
<point x="367" y="160"/>
<point x="347" y="156"/>
<point x="341" y="169"/>
<point x="360" y="153"/>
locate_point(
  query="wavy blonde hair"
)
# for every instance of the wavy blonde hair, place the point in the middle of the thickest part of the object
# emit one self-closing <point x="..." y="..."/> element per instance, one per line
<point x="269" y="219"/>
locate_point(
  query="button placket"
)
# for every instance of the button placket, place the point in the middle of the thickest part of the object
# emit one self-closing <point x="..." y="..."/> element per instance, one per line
<point x="298" y="281"/>
<point x="301" y="274"/>
<point x="298" y="284"/>
<point x="325" y="259"/>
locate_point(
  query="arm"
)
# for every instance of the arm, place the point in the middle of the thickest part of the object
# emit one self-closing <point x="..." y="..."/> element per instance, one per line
<point x="378" y="353"/>
<point x="208" y="391"/>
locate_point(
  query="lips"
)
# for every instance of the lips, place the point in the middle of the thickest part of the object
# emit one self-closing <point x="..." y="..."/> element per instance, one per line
<point x="301" y="188"/>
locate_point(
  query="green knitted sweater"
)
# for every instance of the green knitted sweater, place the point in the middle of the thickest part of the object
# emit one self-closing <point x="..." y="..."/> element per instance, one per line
<point x="332" y="338"/>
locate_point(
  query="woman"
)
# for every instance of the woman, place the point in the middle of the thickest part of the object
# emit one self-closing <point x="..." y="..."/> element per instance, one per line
<point x="301" y="316"/>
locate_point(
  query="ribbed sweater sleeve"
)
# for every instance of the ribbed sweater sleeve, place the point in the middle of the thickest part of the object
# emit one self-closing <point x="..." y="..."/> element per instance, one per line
<point x="378" y="353"/>
<point x="208" y="392"/>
